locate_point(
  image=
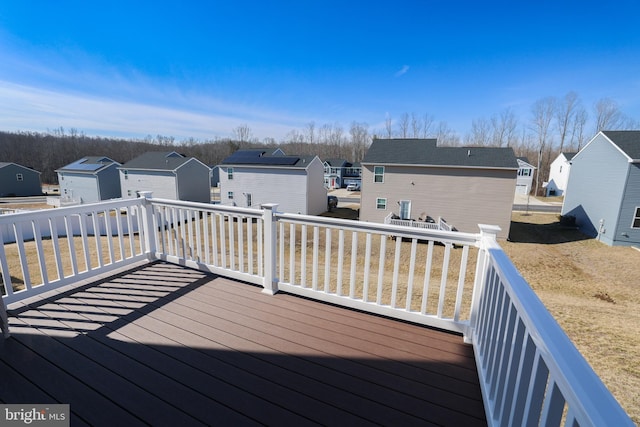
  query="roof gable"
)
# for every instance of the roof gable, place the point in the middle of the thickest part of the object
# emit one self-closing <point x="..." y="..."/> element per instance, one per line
<point x="628" y="141"/>
<point x="5" y="164"/>
<point x="425" y="152"/>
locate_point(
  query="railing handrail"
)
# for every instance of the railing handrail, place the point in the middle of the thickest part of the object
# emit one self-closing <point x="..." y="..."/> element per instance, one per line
<point x="395" y="230"/>
<point x="587" y="396"/>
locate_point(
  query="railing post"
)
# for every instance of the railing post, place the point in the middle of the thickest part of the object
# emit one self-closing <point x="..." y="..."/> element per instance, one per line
<point x="147" y="224"/>
<point x="270" y="285"/>
<point x="488" y="238"/>
<point x="4" y="322"/>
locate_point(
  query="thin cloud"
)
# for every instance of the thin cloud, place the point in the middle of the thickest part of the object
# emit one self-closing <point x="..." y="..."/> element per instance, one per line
<point x="29" y="108"/>
<point x="402" y="71"/>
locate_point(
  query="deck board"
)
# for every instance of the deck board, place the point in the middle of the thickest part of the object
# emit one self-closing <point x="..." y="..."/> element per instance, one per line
<point x="162" y="344"/>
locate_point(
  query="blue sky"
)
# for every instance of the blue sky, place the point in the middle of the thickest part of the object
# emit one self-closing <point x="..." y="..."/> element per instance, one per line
<point x="201" y="68"/>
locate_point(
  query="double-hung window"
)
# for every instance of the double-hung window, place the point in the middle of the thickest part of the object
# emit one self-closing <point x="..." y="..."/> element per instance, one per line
<point x="230" y="173"/>
<point x="636" y="219"/>
<point x="381" y="203"/>
<point x="378" y="174"/>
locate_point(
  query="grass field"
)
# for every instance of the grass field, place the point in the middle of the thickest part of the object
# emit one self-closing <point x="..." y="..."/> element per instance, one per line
<point x="593" y="292"/>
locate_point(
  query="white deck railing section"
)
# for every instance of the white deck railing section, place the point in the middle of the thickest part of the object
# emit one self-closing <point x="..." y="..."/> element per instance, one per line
<point x="529" y="371"/>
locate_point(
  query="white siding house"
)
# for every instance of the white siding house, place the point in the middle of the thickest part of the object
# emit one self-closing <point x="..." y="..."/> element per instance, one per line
<point x="559" y="174"/>
<point x="414" y="179"/>
<point x="169" y="175"/>
<point x="603" y="192"/>
<point x="250" y="178"/>
<point x="525" y="176"/>
<point x="89" y="180"/>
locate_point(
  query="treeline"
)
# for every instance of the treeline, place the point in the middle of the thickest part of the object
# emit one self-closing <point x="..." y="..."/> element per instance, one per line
<point x="554" y="125"/>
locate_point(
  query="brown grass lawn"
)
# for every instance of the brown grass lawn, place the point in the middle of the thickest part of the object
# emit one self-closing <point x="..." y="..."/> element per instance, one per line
<point x="593" y="292"/>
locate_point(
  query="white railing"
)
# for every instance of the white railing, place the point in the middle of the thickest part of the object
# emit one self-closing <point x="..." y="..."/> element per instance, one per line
<point x="440" y="225"/>
<point x="530" y="372"/>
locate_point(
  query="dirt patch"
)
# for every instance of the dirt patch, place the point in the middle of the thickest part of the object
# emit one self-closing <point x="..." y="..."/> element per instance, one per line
<point x="593" y="292"/>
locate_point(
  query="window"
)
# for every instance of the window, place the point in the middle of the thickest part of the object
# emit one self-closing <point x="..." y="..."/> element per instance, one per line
<point x="230" y="173"/>
<point x="249" y="199"/>
<point x="636" y="219"/>
<point x="126" y="175"/>
<point x="378" y="174"/>
<point x="230" y="195"/>
<point x="524" y="172"/>
<point x="19" y="177"/>
<point x="381" y="203"/>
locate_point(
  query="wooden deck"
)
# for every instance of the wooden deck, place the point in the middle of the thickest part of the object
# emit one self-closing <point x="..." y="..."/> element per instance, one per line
<point x="165" y="345"/>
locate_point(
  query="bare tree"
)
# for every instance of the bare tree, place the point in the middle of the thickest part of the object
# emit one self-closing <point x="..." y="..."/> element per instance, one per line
<point x="242" y="133"/>
<point x="388" y="125"/>
<point x="579" y="125"/>
<point x="359" y="140"/>
<point x="504" y="128"/>
<point x="446" y="136"/>
<point x="416" y="125"/>
<point x="404" y="125"/>
<point x="608" y="115"/>
<point x="311" y="132"/>
<point x="542" y="114"/>
<point x="479" y="134"/>
<point x="565" y="115"/>
<point x="427" y="122"/>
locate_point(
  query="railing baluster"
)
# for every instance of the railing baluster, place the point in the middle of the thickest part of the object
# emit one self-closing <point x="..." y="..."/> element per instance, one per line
<point x="250" y="244"/>
<point x="427" y="278"/>
<point x="340" y="262"/>
<point x="200" y="257"/>
<point x="303" y="256"/>
<point x="367" y="266"/>
<point x="214" y="239"/>
<point x="292" y="253"/>
<point x="40" y="252"/>
<point x="241" y="245"/>
<point x="327" y="260"/>
<point x="461" y="279"/>
<point x="396" y="272"/>
<point x="17" y="229"/>
<point x="261" y="243"/>
<point x="223" y="241"/>
<point x="535" y="394"/>
<point x="96" y="235"/>
<point x="281" y="256"/>
<point x="118" y="216"/>
<point x="443" y="281"/>
<point x="6" y="274"/>
<point x="553" y="406"/>
<point x="354" y="257"/>
<point x="383" y="248"/>
<point x="412" y="264"/>
<point x="55" y="243"/>
<point x="315" y="255"/>
<point x="68" y="225"/>
<point x="109" y="236"/>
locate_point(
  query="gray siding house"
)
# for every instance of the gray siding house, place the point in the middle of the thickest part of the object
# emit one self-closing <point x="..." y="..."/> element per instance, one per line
<point x="250" y="178"/>
<point x="603" y="191"/>
<point x="414" y="179"/>
<point x="169" y="175"/>
<point x="18" y="180"/>
<point x="89" y="180"/>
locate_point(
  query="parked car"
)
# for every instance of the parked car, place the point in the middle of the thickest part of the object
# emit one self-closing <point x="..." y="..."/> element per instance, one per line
<point x="332" y="202"/>
<point x="353" y="187"/>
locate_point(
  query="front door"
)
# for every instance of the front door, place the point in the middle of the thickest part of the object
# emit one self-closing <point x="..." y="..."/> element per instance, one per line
<point x="405" y="209"/>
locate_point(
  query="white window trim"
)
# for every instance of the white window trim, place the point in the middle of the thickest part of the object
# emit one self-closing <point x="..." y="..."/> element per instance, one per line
<point x="19" y="177"/>
<point x="230" y="195"/>
<point x="378" y="204"/>
<point x="375" y="174"/>
<point x="230" y="174"/>
<point x="636" y="215"/>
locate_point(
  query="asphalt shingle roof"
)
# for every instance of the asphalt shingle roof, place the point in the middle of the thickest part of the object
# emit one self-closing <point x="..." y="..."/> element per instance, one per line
<point x="262" y="158"/>
<point x="157" y="160"/>
<point x="627" y="140"/>
<point x="425" y="152"/>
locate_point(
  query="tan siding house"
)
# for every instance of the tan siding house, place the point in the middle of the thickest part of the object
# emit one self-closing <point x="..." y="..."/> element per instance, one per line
<point x="416" y="179"/>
